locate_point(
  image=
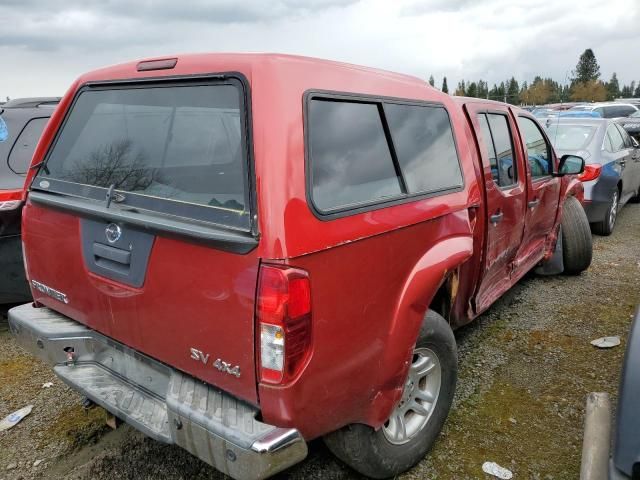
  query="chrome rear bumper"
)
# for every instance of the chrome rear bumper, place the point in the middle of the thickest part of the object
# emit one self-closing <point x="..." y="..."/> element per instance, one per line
<point x="163" y="403"/>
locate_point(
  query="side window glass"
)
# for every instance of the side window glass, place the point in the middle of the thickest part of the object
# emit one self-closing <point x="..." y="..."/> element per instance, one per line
<point x="501" y="134"/>
<point x="538" y="150"/>
<point x="351" y="162"/>
<point x="607" y="143"/>
<point x="625" y="137"/>
<point x="425" y="147"/>
<point x="488" y="141"/>
<point x="624" y="111"/>
<point x="22" y="151"/>
<point x="600" y="110"/>
<point x="617" y="142"/>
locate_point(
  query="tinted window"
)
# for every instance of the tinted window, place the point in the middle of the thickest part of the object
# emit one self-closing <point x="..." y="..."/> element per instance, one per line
<point x="425" y="147"/>
<point x="175" y="143"/>
<point x="570" y="137"/>
<point x="23" y="148"/>
<point x="617" y="142"/>
<point x="618" y="111"/>
<point x="538" y="151"/>
<point x="488" y="141"/>
<point x="504" y="150"/>
<point x="625" y="137"/>
<point x="350" y="158"/>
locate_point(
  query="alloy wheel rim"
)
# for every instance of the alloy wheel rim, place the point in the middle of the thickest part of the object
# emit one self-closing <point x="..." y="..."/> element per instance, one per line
<point x="613" y="212"/>
<point x="418" y="400"/>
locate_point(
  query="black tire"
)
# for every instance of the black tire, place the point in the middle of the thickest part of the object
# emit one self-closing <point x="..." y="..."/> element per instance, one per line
<point x="607" y="224"/>
<point x="577" y="249"/>
<point x="369" y="451"/>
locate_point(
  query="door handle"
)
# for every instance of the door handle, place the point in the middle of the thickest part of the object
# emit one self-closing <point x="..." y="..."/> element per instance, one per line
<point x="533" y="203"/>
<point x="117" y="255"/>
<point x="496" y="218"/>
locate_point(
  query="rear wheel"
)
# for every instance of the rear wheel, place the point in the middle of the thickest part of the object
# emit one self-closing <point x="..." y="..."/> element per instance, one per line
<point x="606" y="225"/>
<point x="576" y="238"/>
<point x="418" y="417"/>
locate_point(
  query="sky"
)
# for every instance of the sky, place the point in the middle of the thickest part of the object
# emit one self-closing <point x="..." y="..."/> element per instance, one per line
<point x="46" y="44"/>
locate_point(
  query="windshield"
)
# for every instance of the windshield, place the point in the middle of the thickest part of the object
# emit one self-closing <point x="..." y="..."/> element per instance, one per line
<point x="169" y="143"/>
<point x="570" y="137"/>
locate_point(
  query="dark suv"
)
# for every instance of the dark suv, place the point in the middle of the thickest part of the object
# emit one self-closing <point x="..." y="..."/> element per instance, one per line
<point x="21" y="123"/>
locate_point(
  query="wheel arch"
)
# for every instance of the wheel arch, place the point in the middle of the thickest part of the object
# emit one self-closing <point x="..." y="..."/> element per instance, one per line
<point x="433" y="282"/>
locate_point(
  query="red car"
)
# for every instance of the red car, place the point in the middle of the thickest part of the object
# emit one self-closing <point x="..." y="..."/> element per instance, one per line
<point x="240" y="253"/>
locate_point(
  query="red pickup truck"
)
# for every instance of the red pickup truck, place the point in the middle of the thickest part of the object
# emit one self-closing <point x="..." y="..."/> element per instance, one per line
<point x="240" y="253"/>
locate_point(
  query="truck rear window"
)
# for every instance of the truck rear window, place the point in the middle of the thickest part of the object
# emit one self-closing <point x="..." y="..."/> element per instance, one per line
<point x="163" y="147"/>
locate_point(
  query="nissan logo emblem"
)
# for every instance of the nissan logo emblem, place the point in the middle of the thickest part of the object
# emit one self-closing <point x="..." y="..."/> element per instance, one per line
<point x="113" y="233"/>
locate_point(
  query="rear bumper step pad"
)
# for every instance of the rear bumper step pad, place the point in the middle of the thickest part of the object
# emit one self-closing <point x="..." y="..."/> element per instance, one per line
<point x="163" y="403"/>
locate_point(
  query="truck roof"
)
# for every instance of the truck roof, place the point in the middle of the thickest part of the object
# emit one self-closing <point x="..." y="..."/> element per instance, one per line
<point x="248" y="60"/>
<point x="464" y="100"/>
<point x="31" y="102"/>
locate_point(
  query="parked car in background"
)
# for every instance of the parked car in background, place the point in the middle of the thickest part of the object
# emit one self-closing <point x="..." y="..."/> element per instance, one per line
<point x="631" y="124"/>
<point x="21" y="123"/>
<point x="612" y="172"/>
<point x="252" y="264"/>
<point x="608" y="110"/>
<point x="625" y="461"/>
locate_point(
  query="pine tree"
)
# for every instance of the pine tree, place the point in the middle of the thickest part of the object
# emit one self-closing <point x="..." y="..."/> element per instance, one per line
<point x="613" y="87"/>
<point x="587" y="69"/>
<point x="636" y="93"/>
<point x="472" y="90"/>
<point x="445" y="87"/>
<point x="483" y="89"/>
<point x="461" y="89"/>
<point x="432" y="81"/>
<point x="513" y="92"/>
<point x="494" y="93"/>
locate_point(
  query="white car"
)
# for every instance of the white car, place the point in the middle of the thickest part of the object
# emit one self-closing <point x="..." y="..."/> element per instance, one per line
<point x="607" y="110"/>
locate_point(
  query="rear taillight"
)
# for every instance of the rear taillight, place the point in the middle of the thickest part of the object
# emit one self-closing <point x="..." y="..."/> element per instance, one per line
<point x="591" y="172"/>
<point x="284" y="321"/>
<point x="10" y="199"/>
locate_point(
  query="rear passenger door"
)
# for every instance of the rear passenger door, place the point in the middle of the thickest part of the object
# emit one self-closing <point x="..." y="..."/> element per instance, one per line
<point x="505" y="190"/>
<point x="632" y="161"/>
<point x="624" y="161"/>
<point x="543" y="192"/>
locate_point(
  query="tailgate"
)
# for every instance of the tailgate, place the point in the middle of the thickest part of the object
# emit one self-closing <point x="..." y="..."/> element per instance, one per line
<point x="139" y="224"/>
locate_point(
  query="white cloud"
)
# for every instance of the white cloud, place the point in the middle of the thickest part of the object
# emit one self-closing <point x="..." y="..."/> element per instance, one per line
<point x="44" y="45"/>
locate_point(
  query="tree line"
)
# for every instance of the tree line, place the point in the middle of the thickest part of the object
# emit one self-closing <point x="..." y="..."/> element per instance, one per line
<point x="585" y="86"/>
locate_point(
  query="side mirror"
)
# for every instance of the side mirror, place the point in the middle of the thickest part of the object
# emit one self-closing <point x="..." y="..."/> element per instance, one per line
<point x="570" y="165"/>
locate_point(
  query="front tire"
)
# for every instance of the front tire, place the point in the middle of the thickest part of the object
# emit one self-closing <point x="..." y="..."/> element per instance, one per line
<point x="416" y="421"/>
<point x="577" y="249"/>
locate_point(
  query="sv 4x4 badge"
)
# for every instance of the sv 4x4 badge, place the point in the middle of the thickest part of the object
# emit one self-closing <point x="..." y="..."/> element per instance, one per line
<point x="224" y="367"/>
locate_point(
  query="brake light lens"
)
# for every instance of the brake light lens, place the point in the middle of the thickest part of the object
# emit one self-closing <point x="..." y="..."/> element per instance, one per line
<point x="10" y="199"/>
<point x="284" y="320"/>
<point x="591" y="172"/>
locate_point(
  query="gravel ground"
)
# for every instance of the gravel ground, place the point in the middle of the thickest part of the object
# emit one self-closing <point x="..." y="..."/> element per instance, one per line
<point x="526" y="367"/>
